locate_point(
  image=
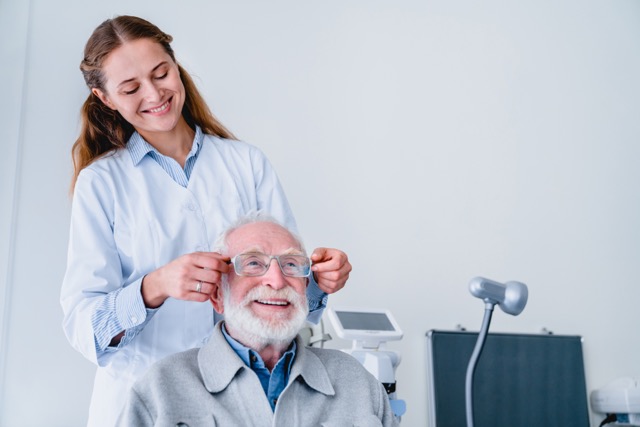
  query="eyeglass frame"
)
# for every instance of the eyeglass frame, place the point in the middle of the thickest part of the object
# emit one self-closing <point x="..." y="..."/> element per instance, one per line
<point x="232" y="261"/>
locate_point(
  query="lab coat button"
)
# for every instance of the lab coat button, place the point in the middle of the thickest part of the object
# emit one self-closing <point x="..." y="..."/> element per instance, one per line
<point x="134" y="319"/>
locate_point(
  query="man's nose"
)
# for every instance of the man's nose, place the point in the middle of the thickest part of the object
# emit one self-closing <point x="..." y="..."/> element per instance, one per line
<point x="274" y="277"/>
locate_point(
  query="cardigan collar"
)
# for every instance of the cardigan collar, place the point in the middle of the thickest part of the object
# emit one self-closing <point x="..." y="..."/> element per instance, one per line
<point x="219" y="364"/>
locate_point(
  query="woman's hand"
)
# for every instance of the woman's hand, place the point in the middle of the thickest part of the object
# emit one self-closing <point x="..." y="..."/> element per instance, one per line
<point x="192" y="277"/>
<point x="331" y="269"/>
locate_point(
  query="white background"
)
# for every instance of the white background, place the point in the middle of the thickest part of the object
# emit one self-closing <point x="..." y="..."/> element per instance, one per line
<point x="432" y="140"/>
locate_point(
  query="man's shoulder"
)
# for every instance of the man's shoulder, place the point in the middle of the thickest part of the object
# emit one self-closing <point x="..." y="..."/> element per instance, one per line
<point x="354" y="394"/>
<point x="181" y="359"/>
<point x="331" y="354"/>
<point x="344" y="369"/>
<point x="338" y="361"/>
<point x="166" y="371"/>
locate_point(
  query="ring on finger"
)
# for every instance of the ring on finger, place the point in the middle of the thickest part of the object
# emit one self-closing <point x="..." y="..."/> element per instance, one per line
<point x="199" y="286"/>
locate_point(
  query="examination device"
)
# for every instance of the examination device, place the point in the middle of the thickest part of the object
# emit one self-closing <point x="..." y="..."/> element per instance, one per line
<point x="522" y="380"/>
<point x="366" y="327"/>
<point x="512" y="298"/>
<point x="370" y="329"/>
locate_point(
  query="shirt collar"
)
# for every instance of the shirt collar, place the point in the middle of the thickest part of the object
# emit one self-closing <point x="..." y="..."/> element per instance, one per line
<point x="219" y="364"/>
<point x="138" y="147"/>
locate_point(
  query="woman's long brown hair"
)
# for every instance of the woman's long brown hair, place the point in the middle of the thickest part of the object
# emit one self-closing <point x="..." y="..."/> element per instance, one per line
<point x="104" y="130"/>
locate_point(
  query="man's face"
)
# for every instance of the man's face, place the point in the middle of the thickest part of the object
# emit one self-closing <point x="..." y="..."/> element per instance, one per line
<point x="265" y="309"/>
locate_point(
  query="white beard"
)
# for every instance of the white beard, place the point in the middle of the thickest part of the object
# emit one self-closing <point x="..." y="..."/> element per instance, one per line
<point x="256" y="332"/>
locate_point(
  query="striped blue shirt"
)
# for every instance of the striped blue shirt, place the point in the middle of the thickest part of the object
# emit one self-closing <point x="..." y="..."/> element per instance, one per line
<point x="119" y="309"/>
<point x="139" y="148"/>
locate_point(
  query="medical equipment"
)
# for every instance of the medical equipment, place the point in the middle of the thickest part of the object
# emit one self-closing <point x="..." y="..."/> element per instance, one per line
<point x="620" y="400"/>
<point x="370" y="329"/>
<point x="522" y="379"/>
<point x="511" y="297"/>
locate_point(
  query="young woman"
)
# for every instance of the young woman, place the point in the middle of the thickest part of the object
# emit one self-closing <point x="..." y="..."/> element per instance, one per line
<point x="157" y="178"/>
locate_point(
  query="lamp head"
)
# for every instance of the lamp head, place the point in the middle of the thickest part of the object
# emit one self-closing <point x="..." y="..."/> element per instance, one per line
<point x="511" y="296"/>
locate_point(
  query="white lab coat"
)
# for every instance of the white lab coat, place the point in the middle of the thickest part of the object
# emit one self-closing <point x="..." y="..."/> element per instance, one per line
<point x="129" y="220"/>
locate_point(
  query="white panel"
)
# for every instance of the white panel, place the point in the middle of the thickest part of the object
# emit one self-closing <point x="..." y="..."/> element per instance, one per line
<point x="13" y="28"/>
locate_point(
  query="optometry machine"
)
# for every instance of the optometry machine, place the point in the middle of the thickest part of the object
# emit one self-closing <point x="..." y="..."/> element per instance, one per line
<point x="620" y="401"/>
<point x="370" y="329"/>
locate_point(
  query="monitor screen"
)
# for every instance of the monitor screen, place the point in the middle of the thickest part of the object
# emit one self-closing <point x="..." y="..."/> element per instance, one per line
<point x="524" y="380"/>
<point x="365" y="321"/>
<point x="369" y="327"/>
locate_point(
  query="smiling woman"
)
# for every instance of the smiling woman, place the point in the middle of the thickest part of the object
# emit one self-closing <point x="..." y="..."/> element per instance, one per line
<point x="121" y="56"/>
<point x="143" y="84"/>
<point x="157" y="178"/>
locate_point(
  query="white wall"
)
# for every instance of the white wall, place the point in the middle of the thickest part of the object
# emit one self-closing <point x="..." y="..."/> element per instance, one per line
<point x="433" y="141"/>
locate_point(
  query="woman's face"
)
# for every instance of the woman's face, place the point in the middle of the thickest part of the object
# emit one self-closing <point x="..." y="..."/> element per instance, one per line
<point x="143" y="84"/>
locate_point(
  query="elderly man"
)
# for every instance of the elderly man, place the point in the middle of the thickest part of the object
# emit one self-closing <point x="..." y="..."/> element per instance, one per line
<point x="254" y="371"/>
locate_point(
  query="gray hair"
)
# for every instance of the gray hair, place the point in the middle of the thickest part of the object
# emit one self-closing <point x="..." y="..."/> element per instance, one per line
<point x="251" y="217"/>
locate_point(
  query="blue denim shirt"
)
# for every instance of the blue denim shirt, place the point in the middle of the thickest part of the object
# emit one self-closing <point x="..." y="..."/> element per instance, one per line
<point x="273" y="383"/>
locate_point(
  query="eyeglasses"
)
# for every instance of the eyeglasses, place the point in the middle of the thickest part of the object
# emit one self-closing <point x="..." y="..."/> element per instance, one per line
<point x="256" y="264"/>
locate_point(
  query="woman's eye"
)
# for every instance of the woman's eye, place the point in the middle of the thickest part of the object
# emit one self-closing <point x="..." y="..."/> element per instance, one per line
<point x="130" y="92"/>
<point x="162" y="76"/>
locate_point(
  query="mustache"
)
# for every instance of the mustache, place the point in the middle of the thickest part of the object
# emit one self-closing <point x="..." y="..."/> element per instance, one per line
<point x="265" y="292"/>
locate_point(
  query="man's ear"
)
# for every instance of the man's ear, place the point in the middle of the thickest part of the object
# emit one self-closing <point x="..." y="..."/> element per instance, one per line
<point x="217" y="300"/>
<point x="103" y="97"/>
